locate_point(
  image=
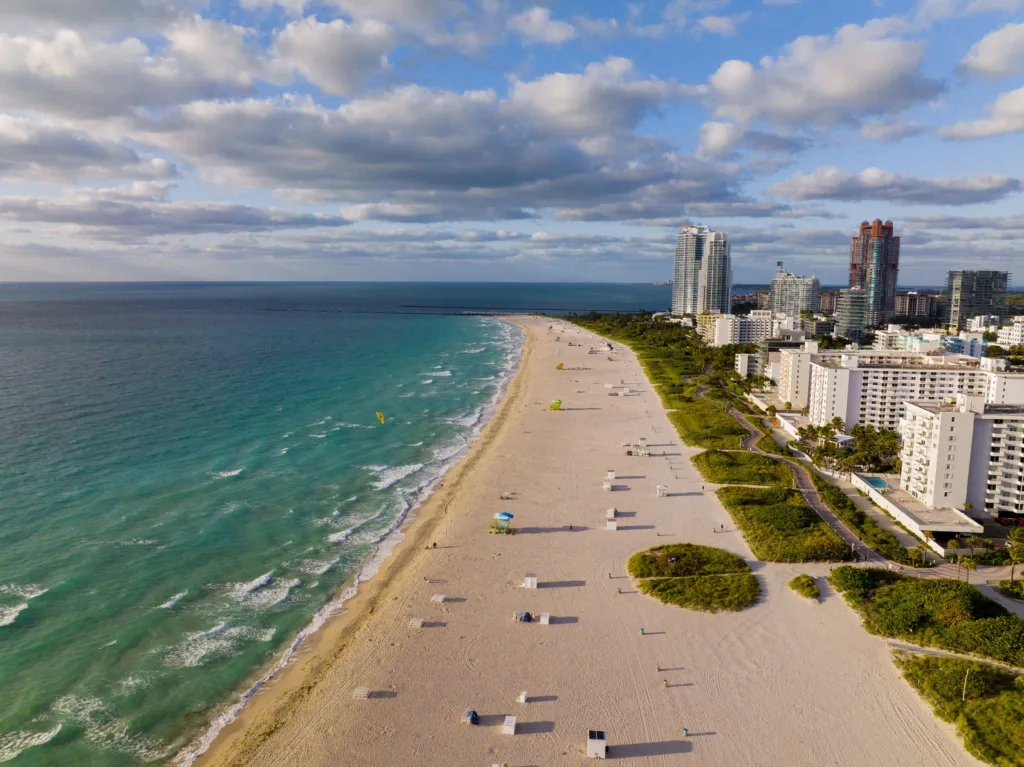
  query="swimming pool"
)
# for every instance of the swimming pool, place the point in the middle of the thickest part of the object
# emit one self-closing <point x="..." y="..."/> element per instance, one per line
<point x="878" y="483"/>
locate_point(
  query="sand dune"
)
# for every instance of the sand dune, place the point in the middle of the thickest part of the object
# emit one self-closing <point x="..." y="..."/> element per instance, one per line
<point x="788" y="682"/>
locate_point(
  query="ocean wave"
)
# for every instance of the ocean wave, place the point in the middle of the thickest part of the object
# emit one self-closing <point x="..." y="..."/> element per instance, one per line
<point x="199" y="647"/>
<point x="284" y="451"/>
<point x="389" y="475"/>
<point x="356" y="426"/>
<point x="416" y="444"/>
<point x="340" y="537"/>
<point x="473" y="351"/>
<point x="226" y="474"/>
<point x="242" y="590"/>
<point x="269" y="596"/>
<point x="13" y="743"/>
<point x="138" y="542"/>
<point x="316" y="566"/>
<point x="173" y="600"/>
<point x="407" y="394"/>
<point x="438" y="373"/>
<point x="447" y="451"/>
<point x="103" y="729"/>
<point x="9" y="613"/>
<point x="428" y="381"/>
<point x="318" y="436"/>
<point x="29" y="591"/>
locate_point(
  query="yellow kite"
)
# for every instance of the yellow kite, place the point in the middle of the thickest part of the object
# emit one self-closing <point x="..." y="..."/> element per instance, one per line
<point x="380" y="417"/>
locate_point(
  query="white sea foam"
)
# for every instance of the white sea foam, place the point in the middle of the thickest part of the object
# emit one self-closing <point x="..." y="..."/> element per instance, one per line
<point x="9" y="613"/>
<point x="407" y="394"/>
<point x="384" y="546"/>
<point x="173" y="600"/>
<point x="284" y="450"/>
<point x="242" y="590"/>
<point x="416" y="444"/>
<point x="29" y="591"/>
<point x="106" y="731"/>
<point x="226" y="474"/>
<point x="356" y="426"/>
<point x="316" y="566"/>
<point x="438" y="373"/>
<point x="13" y="743"/>
<point x="318" y="436"/>
<point x="389" y="475"/>
<point x="427" y="381"/>
<point x="340" y="537"/>
<point x="472" y="351"/>
<point x="138" y="542"/>
<point x="271" y="595"/>
<point x="221" y="640"/>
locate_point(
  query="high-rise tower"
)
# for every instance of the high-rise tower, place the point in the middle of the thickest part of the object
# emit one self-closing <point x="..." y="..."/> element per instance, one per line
<point x="792" y="294"/>
<point x="703" y="273"/>
<point x="970" y="293"/>
<point x="874" y="266"/>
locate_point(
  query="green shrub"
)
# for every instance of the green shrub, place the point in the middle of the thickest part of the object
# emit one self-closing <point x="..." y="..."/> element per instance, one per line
<point x="767" y="444"/>
<point x="735" y="591"/>
<point x="986" y="704"/>
<point x="742" y="468"/>
<point x="805" y="586"/>
<point x="779" y="526"/>
<point x="683" y="560"/>
<point x="942" y="613"/>
<point x="1012" y="589"/>
<point x="865" y="528"/>
<point x="704" y="424"/>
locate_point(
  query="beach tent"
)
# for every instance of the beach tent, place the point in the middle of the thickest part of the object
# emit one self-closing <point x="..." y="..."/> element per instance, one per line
<point x="556" y="405"/>
<point x="501" y="523"/>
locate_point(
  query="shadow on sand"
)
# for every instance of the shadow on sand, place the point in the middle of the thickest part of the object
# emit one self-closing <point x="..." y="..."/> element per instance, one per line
<point x="662" y="748"/>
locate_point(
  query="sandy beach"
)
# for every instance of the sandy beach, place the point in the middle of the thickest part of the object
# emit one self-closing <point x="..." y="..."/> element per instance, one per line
<point x="787" y="682"/>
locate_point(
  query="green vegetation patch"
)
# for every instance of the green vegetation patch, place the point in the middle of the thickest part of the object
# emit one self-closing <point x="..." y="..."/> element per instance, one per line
<point x="941" y="613"/>
<point x="805" y="586"/>
<point x="734" y="592"/>
<point x="704" y="424"/>
<point x="742" y="468"/>
<point x="985" y="704"/>
<point x="1012" y="589"/>
<point x="695" y="577"/>
<point x="779" y="526"/>
<point x="680" y="560"/>
<point x="767" y="444"/>
<point x="865" y="528"/>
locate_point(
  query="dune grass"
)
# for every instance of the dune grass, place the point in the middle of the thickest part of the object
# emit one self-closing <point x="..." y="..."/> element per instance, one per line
<point x="695" y="577"/>
<point x="681" y="560"/>
<point x="943" y="613"/>
<point x="711" y="593"/>
<point x="805" y="586"/>
<point x="779" y="526"/>
<point x="742" y="468"/>
<point x="701" y="423"/>
<point x="985" y="704"/>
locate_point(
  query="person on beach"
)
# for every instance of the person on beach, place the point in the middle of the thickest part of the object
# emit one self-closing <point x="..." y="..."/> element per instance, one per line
<point x="686" y="733"/>
<point x="641" y="631"/>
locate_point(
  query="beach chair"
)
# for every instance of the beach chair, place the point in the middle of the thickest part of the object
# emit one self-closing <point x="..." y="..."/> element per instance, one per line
<point x="545" y="619"/>
<point x="469" y="716"/>
<point x="416" y="623"/>
<point x="361" y="693"/>
<point x="437" y="598"/>
<point x="531" y="581"/>
<point x="612" y="524"/>
<point x="509" y="727"/>
<point x="522" y="697"/>
<point x="606" y="486"/>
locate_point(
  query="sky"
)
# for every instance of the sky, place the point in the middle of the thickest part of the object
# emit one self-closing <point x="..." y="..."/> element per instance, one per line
<point x="492" y="140"/>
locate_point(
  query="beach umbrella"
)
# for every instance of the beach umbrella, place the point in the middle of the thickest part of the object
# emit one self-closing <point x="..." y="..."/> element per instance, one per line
<point x="504" y="516"/>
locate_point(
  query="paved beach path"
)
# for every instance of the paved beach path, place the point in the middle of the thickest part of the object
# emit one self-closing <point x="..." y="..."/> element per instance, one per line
<point x="788" y="682"/>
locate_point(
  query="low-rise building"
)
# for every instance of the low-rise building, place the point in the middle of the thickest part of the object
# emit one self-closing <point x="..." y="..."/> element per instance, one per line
<point x="914" y="304"/>
<point x="725" y="329"/>
<point x="983" y="323"/>
<point x="817" y="326"/>
<point x="1012" y="335"/>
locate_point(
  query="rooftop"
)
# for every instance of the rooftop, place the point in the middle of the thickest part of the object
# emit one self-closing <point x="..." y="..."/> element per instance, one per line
<point x="925" y="517"/>
<point x="954" y="407"/>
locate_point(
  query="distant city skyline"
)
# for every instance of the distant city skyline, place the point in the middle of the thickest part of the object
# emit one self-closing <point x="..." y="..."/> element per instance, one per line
<point x="471" y="140"/>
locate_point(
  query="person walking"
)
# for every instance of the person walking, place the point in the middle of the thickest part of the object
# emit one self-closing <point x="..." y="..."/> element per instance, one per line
<point x="641" y="631"/>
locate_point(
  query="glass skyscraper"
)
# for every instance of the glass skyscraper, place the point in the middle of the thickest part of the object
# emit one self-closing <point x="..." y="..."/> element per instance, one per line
<point x="703" y="273"/>
<point x="874" y="267"/>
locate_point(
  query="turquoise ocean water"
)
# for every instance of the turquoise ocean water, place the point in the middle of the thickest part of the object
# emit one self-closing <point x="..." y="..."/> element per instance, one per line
<point x="191" y="474"/>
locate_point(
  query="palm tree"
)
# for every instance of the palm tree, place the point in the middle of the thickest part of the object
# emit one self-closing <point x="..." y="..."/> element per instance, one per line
<point x="973" y="543"/>
<point x="959" y="564"/>
<point x="1016" y="558"/>
<point x="969" y="564"/>
<point x="916" y="554"/>
<point x="837" y="425"/>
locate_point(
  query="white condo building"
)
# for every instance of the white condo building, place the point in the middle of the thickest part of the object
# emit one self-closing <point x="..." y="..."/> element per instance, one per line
<point x="703" y="272"/>
<point x="983" y="323"/>
<point x="724" y="329"/>
<point x="872" y="387"/>
<point x="792" y="294"/>
<point x="962" y="450"/>
<point x="1012" y="335"/>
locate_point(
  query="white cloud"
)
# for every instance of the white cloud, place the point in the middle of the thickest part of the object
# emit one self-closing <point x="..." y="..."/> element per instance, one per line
<point x="535" y="25"/>
<point x="414" y="14"/>
<point x="890" y="130"/>
<point x="141" y="211"/>
<point x="726" y="26"/>
<point x="336" y="56"/>
<point x="122" y="14"/>
<point x="68" y="74"/>
<point x="997" y="54"/>
<point x="606" y="98"/>
<point x="40" y="152"/>
<point x="825" y="80"/>
<point x="720" y="139"/>
<point x="831" y="183"/>
<point x="930" y="11"/>
<point x="1005" y="116"/>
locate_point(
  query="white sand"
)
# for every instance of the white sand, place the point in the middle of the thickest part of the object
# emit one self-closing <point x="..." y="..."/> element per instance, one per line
<point x="788" y="682"/>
